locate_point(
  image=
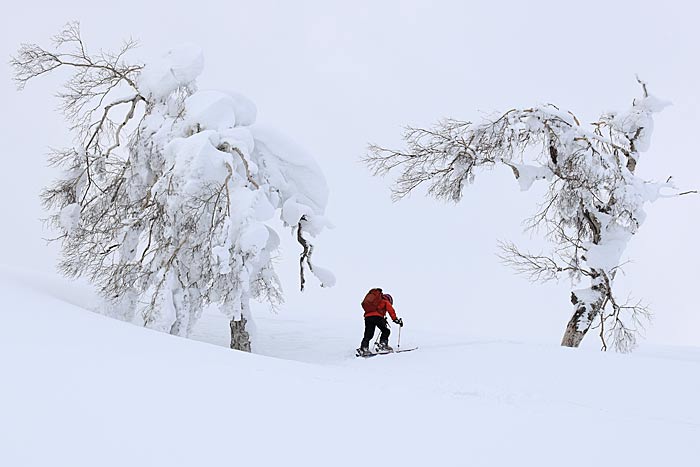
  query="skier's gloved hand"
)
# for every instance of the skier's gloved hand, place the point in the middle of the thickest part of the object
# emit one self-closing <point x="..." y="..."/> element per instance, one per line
<point x="399" y="321"/>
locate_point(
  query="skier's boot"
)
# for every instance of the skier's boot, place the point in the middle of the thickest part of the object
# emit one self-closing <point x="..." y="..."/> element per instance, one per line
<point x="384" y="347"/>
<point x="363" y="352"/>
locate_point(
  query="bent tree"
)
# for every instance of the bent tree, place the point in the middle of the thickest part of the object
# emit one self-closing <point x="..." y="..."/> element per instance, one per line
<point x="165" y="196"/>
<point x="593" y="205"/>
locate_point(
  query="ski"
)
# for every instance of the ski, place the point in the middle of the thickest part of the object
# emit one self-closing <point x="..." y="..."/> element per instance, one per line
<point x="374" y="354"/>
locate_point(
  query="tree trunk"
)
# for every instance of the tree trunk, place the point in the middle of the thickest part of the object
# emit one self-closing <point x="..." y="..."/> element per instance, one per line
<point x="240" y="339"/>
<point x="584" y="315"/>
<point x="573" y="335"/>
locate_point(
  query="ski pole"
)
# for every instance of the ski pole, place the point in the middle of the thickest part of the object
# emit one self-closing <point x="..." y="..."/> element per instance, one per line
<point x="398" y="346"/>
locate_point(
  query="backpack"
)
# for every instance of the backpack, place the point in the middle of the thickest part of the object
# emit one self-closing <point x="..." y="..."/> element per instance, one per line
<point x="371" y="302"/>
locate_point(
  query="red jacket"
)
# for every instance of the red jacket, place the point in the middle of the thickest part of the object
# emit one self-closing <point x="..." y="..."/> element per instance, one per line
<point x="382" y="308"/>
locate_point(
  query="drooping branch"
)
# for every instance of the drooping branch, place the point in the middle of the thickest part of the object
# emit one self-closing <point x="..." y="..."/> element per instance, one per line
<point x="628" y="321"/>
<point x="307" y="251"/>
<point x="129" y="115"/>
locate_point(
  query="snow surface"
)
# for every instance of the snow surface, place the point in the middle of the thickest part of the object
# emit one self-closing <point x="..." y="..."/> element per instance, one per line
<point x="81" y="389"/>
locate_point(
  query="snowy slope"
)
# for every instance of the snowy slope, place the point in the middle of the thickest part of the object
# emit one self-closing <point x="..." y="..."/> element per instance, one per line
<point x="79" y="389"/>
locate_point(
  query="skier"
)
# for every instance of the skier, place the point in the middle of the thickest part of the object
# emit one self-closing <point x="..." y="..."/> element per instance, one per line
<point x="376" y="304"/>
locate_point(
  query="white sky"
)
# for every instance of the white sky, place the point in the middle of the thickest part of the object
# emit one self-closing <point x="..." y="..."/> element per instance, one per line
<point x="336" y="76"/>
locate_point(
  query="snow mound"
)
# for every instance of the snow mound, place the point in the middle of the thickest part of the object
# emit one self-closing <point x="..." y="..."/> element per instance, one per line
<point x="295" y="173"/>
<point x="177" y="68"/>
<point x="217" y="110"/>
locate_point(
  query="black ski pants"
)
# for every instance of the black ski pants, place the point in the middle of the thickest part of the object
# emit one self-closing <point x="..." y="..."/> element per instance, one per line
<point x="370" y="323"/>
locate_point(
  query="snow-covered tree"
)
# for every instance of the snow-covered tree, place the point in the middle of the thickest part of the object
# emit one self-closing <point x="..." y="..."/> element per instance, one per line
<point x="593" y="206"/>
<point x="166" y="198"/>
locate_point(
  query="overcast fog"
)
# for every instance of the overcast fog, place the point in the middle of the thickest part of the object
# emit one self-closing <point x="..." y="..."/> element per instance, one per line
<point x="337" y="76"/>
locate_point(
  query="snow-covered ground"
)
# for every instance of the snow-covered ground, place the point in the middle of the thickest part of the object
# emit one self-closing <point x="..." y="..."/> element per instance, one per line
<point x="80" y="389"/>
